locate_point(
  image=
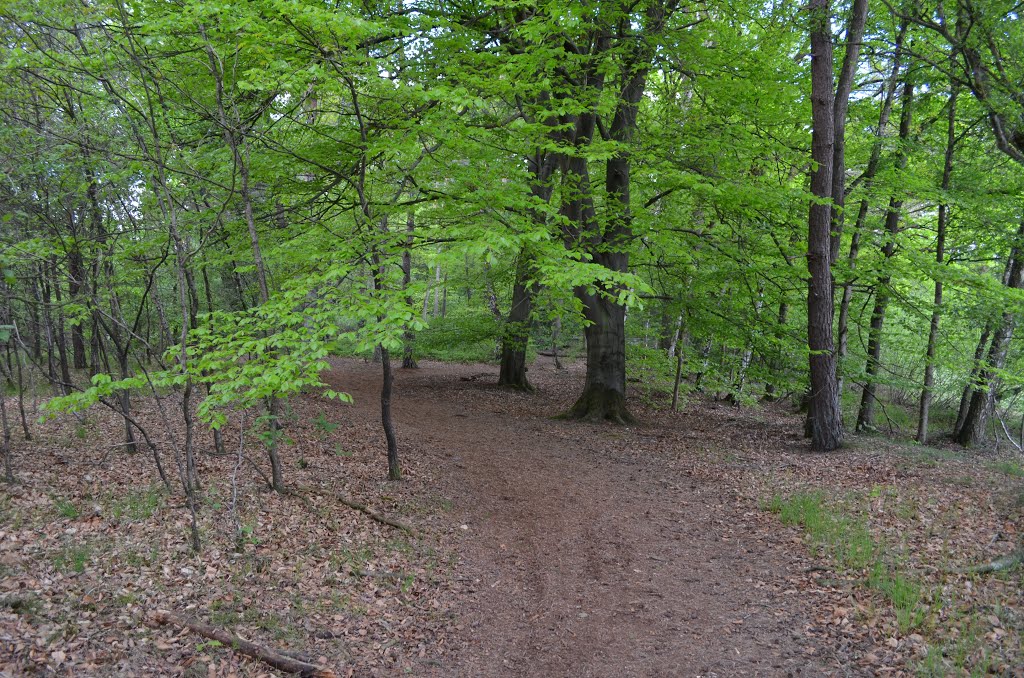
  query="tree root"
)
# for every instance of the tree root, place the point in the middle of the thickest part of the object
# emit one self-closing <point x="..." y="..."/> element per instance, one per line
<point x="271" y="657"/>
<point x="599" y="405"/>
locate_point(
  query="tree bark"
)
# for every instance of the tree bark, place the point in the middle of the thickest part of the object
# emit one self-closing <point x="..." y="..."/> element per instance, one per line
<point x="940" y="251"/>
<point x="866" y="412"/>
<point x="888" y="97"/>
<point x="387" y="384"/>
<point x="408" y="337"/>
<point x="824" y="418"/>
<point x="976" y="364"/>
<point x="60" y="334"/>
<point x="770" y="390"/>
<point x="604" y="391"/>
<point x="234" y="133"/>
<point x="516" y="333"/>
<point x="983" y="393"/>
<point x="5" y="442"/>
<point x="854" y="35"/>
<point x="76" y="277"/>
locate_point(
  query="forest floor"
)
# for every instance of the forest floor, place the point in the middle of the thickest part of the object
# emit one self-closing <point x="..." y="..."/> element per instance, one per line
<point x="706" y="542"/>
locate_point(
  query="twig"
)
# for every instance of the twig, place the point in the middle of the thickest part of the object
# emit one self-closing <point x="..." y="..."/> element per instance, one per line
<point x="266" y="655"/>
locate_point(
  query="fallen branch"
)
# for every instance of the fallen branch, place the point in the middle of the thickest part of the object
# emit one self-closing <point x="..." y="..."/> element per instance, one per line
<point x="1004" y="564"/>
<point x="268" y="656"/>
<point x="363" y="508"/>
<point x="1008" y="436"/>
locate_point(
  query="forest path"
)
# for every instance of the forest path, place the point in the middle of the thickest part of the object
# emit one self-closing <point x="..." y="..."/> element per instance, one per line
<point x="589" y="550"/>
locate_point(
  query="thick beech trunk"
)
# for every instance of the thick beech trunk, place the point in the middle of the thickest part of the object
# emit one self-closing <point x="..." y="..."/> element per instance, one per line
<point x="604" y="391"/>
<point x="824" y="422"/>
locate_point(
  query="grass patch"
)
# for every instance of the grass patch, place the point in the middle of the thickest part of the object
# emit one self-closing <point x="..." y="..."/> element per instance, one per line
<point x="66" y="508"/>
<point x="850" y="544"/>
<point x="927" y="457"/>
<point x="905" y="595"/>
<point x="73" y="558"/>
<point x="1010" y="468"/>
<point x="964" y="655"/>
<point x="138" y="505"/>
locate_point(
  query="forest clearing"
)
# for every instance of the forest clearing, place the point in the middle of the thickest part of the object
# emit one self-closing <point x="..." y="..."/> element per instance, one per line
<point x="541" y="547"/>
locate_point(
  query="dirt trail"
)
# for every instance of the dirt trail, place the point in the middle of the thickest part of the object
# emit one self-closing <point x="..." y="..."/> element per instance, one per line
<point x="585" y="552"/>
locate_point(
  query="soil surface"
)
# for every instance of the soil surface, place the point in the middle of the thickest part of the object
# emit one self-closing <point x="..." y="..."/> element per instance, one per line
<point x="584" y="556"/>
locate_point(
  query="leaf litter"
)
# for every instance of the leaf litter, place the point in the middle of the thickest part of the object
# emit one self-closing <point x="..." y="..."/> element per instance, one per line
<point x="90" y="545"/>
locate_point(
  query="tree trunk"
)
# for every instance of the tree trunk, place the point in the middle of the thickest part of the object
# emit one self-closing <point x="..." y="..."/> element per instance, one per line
<point x="747" y="357"/>
<point x="234" y="137"/>
<point x="976" y="364"/>
<point x="678" y="379"/>
<point x="866" y="413"/>
<point x="516" y="335"/>
<point x="940" y="251"/>
<point x="76" y="278"/>
<point x="437" y="290"/>
<point x="854" y="35"/>
<point x="604" y="391"/>
<point x="394" y="470"/>
<point x="60" y="334"/>
<point x="408" y="337"/>
<point x="42" y="290"/>
<point x="983" y="394"/>
<point x="5" y="442"/>
<point x="889" y="96"/>
<point x="556" y="331"/>
<point x="824" y="419"/>
<point x="770" y="391"/>
<point x="21" y="386"/>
